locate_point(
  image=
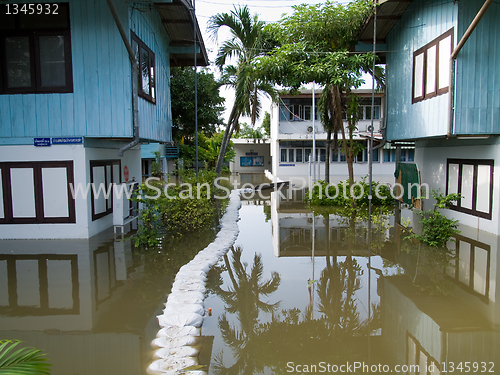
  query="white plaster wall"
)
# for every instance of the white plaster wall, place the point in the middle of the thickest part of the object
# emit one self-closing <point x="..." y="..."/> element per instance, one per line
<point x="28" y="153"/>
<point x="131" y="159"/>
<point x="300" y="127"/>
<point x="83" y="321"/>
<point x="338" y="170"/>
<point x="431" y="161"/>
<point x="262" y="149"/>
<point x="81" y="156"/>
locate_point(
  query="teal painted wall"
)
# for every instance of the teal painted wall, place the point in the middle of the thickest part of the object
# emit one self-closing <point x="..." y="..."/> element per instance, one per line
<point x="422" y="22"/>
<point x="478" y="76"/>
<point x="155" y="119"/>
<point x="100" y="105"/>
<point x="477" y="82"/>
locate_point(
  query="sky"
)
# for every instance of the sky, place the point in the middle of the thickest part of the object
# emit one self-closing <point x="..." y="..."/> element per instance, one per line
<point x="268" y="11"/>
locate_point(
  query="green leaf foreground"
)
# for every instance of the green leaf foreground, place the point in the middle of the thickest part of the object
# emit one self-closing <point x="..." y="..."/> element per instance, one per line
<point x="20" y="361"/>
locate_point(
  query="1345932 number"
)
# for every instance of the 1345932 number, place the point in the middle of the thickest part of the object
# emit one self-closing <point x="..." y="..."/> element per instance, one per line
<point x="29" y="9"/>
<point x="480" y="367"/>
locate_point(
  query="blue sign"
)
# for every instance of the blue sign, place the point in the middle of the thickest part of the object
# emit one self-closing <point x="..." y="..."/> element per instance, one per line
<point x="67" y="140"/>
<point x="42" y="142"/>
<point x="287" y="165"/>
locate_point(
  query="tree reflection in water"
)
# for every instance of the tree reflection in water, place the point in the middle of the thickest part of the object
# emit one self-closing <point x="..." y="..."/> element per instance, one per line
<point x="337" y="335"/>
<point x="244" y="299"/>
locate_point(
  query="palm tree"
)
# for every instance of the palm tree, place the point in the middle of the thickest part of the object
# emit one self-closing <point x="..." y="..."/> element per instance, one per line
<point x="247" y="42"/>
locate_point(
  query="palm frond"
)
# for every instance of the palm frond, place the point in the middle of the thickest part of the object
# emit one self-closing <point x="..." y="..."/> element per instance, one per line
<point x="23" y="361"/>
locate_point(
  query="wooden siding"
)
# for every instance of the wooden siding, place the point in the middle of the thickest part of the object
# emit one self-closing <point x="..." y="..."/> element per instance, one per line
<point x="420" y="24"/>
<point x="100" y="105"/>
<point x="478" y="79"/>
<point x="155" y="119"/>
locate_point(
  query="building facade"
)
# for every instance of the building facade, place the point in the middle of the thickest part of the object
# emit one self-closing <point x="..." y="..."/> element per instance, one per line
<point x="457" y="138"/>
<point x="292" y="128"/>
<point x="66" y="103"/>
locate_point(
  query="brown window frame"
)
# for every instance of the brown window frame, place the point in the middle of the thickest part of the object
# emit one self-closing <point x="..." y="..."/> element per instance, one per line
<point x="38" y="189"/>
<point x="35" y="63"/>
<point x="456" y="266"/>
<point x="418" y="350"/>
<point x="475" y="163"/>
<point x="103" y="163"/>
<point x="151" y="96"/>
<point x="13" y="309"/>
<point x="423" y="50"/>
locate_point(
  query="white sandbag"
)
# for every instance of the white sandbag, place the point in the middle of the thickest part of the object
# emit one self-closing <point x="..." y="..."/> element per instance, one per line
<point x="178" y="308"/>
<point x="183" y="287"/>
<point x="167" y="342"/>
<point x="186" y="297"/>
<point x="183" y="313"/>
<point x="173" y="332"/>
<point x="181" y="351"/>
<point x="173" y="364"/>
<point x="180" y="320"/>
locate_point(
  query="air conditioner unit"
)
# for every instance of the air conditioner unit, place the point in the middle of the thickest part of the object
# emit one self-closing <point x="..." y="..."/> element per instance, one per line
<point x="310" y="129"/>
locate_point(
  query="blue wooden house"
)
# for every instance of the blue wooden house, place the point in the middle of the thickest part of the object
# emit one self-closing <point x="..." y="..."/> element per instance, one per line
<point x="67" y="105"/>
<point x="443" y="91"/>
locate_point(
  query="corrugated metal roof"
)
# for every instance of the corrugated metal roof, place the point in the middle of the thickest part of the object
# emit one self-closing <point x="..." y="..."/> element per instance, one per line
<point x="177" y="18"/>
<point x="388" y="14"/>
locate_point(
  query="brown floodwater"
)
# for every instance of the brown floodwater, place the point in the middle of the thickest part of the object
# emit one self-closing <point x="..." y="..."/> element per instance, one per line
<point x="301" y="292"/>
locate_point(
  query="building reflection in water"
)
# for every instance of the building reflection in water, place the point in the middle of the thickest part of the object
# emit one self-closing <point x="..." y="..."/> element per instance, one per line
<point x="78" y="301"/>
<point x="435" y="306"/>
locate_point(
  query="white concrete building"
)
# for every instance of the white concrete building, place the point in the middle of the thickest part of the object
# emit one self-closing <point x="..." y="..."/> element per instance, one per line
<point x="292" y="127"/>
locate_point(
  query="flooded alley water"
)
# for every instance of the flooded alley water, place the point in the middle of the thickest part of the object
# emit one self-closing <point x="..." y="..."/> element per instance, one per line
<point x="300" y="292"/>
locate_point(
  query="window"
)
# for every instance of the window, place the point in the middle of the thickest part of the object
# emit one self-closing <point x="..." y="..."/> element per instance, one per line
<point x="103" y="173"/>
<point x="36" y="192"/>
<point x="40" y="269"/>
<point x="473" y="179"/>
<point x="416" y="355"/>
<point x="375" y="156"/>
<point x="298" y="155"/>
<point x="146" y="61"/>
<point x="470" y="266"/>
<point x="431" y="68"/>
<point x="283" y="155"/>
<point x="35" y="52"/>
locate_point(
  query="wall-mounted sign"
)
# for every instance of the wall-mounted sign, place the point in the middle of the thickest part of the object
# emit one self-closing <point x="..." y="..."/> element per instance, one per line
<point x="42" y="142"/>
<point x="287" y="165"/>
<point x="67" y="140"/>
<point x="126" y="173"/>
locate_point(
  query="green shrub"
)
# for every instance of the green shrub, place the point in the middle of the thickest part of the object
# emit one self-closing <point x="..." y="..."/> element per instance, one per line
<point x="437" y="229"/>
<point x="341" y="194"/>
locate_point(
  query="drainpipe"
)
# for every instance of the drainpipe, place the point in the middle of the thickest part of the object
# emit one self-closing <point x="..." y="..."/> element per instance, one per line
<point x="135" y="79"/>
<point x="454" y="55"/>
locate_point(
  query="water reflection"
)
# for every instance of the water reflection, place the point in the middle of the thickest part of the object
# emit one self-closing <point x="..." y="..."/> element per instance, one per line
<point x="244" y="299"/>
<point x="90" y="304"/>
<point x="348" y="294"/>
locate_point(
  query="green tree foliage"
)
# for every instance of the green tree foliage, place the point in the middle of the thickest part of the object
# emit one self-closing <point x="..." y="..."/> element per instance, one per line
<point x="247" y="42"/>
<point x="156" y="167"/>
<point x="210" y="103"/>
<point x="315" y="46"/>
<point x="266" y="124"/>
<point x="208" y="151"/>
<point x="246" y="131"/>
<point x="21" y="361"/>
<point x="340" y="194"/>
